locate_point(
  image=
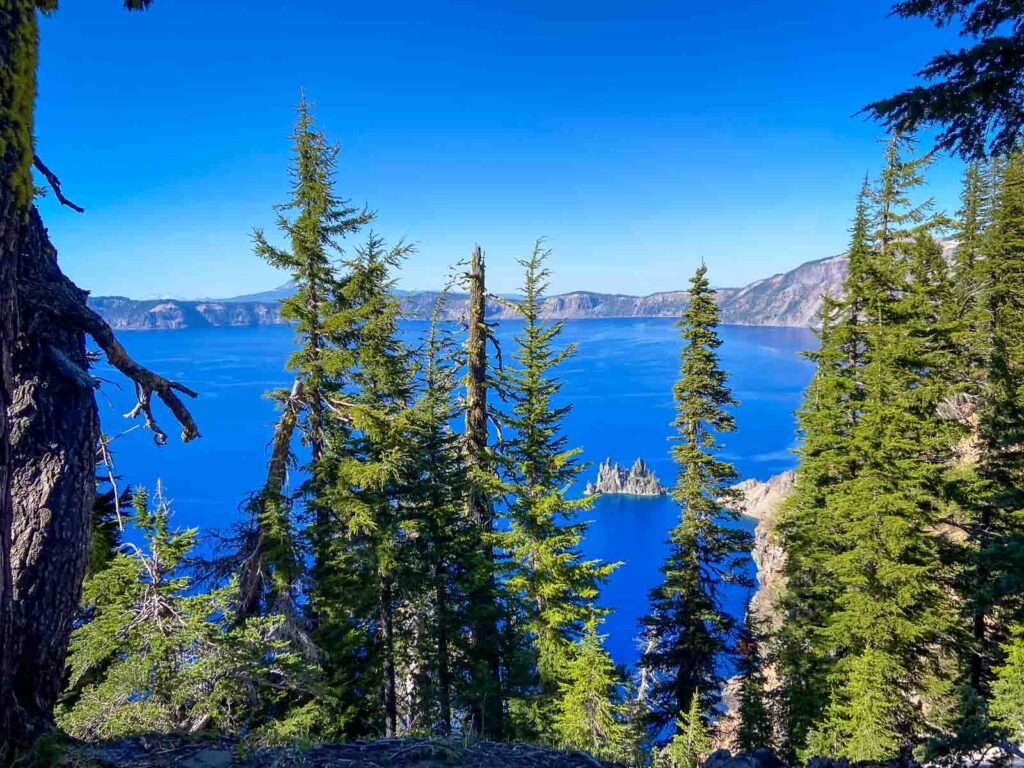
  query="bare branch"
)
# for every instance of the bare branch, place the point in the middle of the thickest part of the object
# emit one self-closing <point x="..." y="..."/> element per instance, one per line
<point x="55" y="184"/>
<point x="147" y="383"/>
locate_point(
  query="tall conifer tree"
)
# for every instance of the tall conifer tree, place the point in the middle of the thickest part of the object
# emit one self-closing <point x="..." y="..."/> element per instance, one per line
<point x="314" y="222"/>
<point x="690" y="630"/>
<point x="891" y="607"/>
<point x="556" y="587"/>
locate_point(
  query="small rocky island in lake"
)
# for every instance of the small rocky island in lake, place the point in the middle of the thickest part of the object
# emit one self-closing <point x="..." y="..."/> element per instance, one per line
<point x="638" y="481"/>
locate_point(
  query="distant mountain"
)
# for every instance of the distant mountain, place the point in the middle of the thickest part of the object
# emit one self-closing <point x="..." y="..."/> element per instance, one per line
<point x="274" y="294"/>
<point x="788" y="299"/>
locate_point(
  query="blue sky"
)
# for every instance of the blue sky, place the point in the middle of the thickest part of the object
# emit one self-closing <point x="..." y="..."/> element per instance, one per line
<point x="636" y="137"/>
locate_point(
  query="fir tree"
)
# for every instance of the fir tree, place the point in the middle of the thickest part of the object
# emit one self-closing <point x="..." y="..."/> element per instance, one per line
<point x="688" y="627"/>
<point x="155" y="657"/>
<point x="448" y="556"/>
<point x="756" y="729"/>
<point x="692" y="741"/>
<point x="890" y="606"/>
<point x="557" y="588"/>
<point x="361" y="537"/>
<point x="1007" y="703"/>
<point x="484" y="606"/>
<point x="588" y="717"/>
<point x="314" y="222"/>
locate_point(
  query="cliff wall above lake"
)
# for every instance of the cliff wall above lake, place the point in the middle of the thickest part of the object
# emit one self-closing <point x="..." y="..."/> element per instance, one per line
<point x="788" y="299"/>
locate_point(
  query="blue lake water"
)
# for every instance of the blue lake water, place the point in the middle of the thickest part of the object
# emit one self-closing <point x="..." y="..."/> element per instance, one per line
<point x="620" y="383"/>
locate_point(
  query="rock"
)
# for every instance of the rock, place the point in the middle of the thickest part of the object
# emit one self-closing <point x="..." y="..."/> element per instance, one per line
<point x="208" y="758"/>
<point x="637" y="481"/>
<point x="767" y="758"/>
<point x="718" y="759"/>
<point x="763" y="502"/>
<point x="217" y="752"/>
<point x="826" y="762"/>
<point x="759" y="758"/>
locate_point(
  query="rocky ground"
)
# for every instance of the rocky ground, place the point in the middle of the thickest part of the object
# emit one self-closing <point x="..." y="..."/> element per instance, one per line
<point x="168" y="752"/>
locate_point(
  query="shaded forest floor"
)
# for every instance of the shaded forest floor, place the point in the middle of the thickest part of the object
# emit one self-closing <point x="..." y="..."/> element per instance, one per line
<point x="161" y="751"/>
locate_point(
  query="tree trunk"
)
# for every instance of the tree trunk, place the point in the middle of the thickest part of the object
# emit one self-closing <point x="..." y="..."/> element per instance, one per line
<point x="269" y="567"/>
<point x="487" y="714"/>
<point x="18" y="47"/>
<point x="388" y="626"/>
<point x="444" y="677"/>
<point x="54" y="429"/>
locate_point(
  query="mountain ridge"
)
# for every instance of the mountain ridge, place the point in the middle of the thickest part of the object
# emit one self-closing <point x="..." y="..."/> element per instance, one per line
<point x="788" y="299"/>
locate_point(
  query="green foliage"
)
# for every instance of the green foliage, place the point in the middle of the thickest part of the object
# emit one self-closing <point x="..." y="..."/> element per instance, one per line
<point x="361" y="533"/>
<point x="588" y="717"/>
<point x="868" y="608"/>
<point x="554" y="586"/>
<point x="756" y="728"/>
<point x="692" y="741"/>
<point x="688" y="629"/>
<point x="109" y="511"/>
<point x="974" y="93"/>
<point x="1008" y="689"/>
<point x="153" y="656"/>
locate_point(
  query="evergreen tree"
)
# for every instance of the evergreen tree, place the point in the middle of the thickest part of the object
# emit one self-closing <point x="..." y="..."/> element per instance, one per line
<point x="808" y="534"/>
<point x="692" y="741"/>
<point x="361" y="537"/>
<point x="449" y="557"/>
<point x="484" y="608"/>
<point x="994" y="497"/>
<point x="109" y="511"/>
<point x="755" y="722"/>
<point x="891" y="608"/>
<point x="314" y="221"/>
<point x="1007" y="702"/>
<point x="555" y="586"/>
<point x="588" y="717"/>
<point x="688" y="627"/>
<point x="155" y="657"/>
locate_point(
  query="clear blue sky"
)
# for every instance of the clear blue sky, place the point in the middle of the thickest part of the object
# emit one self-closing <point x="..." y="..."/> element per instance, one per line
<point x="637" y="137"/>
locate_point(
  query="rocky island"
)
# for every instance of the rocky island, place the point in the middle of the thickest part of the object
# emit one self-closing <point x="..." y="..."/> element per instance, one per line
<point x="637" y="481"/>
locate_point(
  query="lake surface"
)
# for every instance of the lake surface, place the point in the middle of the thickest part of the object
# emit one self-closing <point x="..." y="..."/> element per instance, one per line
<point x="620" y="383"/>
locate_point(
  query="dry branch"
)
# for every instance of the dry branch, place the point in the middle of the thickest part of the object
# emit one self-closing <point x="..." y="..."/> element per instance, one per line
<point x="147" y="383"/>
<point x="55" y="184"/>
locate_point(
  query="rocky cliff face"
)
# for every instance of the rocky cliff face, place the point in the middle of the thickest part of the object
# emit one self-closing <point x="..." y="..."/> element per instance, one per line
<point x="789" y="299"/>
<point x="639" y="480"/>
<point x="763" y="502"/>
<point x="168" y="314"/>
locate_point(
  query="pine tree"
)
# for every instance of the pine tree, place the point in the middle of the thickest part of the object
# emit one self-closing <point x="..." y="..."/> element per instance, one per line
<point x="891" y="607"/>
<point x="448" y="557"/>
<point x="588" y="717"/>
<point x="484" y="608"/>
<point x="756" y="729"/>
<point x="996" y="497"/>
<point x="556" y="587"/>
<point x="153" y="656"/>
<point x="692" y="741"/>
<point x="688" y="628"/>
<point x="109" y="511"/>
<point x="808" y="535"/>
<point x="314" y="222"/>
<point x="360" y="538"/>
<point x="1007" y="703"/>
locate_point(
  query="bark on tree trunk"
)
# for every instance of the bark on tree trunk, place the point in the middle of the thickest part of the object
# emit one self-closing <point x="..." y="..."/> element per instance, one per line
<point x="256" y="580"/>
<point x="387" y="624"/>
<point x="48" y="426"/>
<point x="54" y="429"/>
<point x="10" y="227"/>
<point x="487" y="714"/>
<point x="18" y="46"/>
